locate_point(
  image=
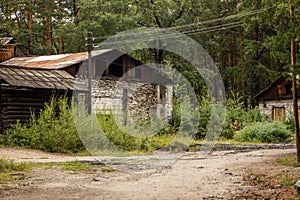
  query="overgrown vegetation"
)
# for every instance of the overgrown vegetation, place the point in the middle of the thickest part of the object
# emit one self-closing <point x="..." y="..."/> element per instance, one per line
<point x="263" y="132"/>
<point x="53" y="130"/>
<point x="128" y="140"/>
<point x="237" y="117"/>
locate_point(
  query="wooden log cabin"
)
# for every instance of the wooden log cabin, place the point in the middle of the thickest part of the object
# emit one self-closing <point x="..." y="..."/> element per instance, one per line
<point x="276" y="101"/>
<point x="26" y="83"/>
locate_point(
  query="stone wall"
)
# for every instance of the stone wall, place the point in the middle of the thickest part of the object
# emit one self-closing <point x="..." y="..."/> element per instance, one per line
<point x="141" y="100"/>
<point x="267" y="107"/>
<point x="106" y="97"/>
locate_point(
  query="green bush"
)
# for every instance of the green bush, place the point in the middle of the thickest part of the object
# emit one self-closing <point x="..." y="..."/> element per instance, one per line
<point x="131" y="139"/>
<point x="289" y="122"/>
<point x="236" y="118"/>
<point x="266" y="132"/>
<point x="53" y="130"/>
<point x="205" y="112"/>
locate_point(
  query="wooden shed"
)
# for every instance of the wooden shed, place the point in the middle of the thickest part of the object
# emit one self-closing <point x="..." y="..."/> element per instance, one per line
<point x="24" y="90"/>
<point x="276" y="101"/>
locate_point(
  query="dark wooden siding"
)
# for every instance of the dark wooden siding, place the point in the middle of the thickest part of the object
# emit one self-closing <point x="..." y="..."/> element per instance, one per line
<point x="280" y="89"/>
<point x="116" y="68"/>
<point x="17" y="104"/>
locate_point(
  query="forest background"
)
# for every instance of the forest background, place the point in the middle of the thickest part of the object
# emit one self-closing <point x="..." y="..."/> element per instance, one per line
<point x="248" y="40"/>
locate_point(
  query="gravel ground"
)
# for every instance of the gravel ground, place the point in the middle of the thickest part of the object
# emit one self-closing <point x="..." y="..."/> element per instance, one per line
<point x="163" y="176"/>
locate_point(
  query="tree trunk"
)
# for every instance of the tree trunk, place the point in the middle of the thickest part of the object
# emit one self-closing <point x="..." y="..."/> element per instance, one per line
<point x="9" y="13"/>
<point x="29" y="22"/>
<point x="60" y="43"/>
<point x="230" y="65"/>
<point x="242" y="60"/>
<point x="48" y="29"/>
<point x="295" y="95"/>
<point x="76" y="12"/>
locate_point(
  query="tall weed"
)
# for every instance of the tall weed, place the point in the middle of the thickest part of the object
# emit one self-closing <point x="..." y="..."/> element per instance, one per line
<point x="236" y="118"/>
<point x="53" y="130"/>
<point x="133" y="139"/>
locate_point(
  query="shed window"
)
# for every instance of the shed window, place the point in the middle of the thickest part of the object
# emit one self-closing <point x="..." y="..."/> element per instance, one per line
<point x="116" y="68"/>
<point x="288" y="88"/>
<point x="162" y="94"/>
<point x="278" y="114"/>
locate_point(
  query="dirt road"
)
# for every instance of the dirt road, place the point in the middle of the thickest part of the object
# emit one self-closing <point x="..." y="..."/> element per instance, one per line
<point x="218" y="176"/>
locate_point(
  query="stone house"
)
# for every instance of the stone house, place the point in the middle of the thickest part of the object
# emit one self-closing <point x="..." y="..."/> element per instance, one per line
<point x="26" y="83"/>
<point x="122" y="83"/>
<point x="276" y="101"/>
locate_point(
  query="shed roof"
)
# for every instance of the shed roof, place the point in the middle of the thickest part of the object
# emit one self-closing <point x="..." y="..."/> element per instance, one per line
<point x="6" y="40"/>
<point x="264" y="91"/>
<point x="38" y="78"/>
<point x="53" y="61"/>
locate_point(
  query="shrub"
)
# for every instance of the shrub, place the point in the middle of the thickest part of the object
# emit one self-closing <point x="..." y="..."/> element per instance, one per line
<point x="54" y="130"/>
<point x="131" y="139"/>
<point x="263" y="132"/>
<point x="205" y="109"/>
<point x="289" y="122"/>
<point x="236" y="118"/>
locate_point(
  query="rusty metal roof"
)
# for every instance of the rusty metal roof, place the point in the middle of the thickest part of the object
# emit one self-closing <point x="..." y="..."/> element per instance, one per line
<point x="38" y="78"/>
<point x="53" y="61"/>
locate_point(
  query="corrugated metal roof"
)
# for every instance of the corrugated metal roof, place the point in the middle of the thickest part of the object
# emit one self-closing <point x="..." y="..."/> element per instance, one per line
<point x="38" y="78"/>
<point x="53" y="61"/>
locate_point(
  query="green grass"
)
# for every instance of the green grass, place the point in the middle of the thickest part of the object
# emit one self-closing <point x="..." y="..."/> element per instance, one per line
<point x="288" y="181"/>
<point x="108" y="170"/>
<point x="10" y="171"/>
<point x="75" y="166"/>
<point x="290" y="160"/>
<point x="196" y="144"/>
<point x="291" y="176"/>
<point x="6" y="166"/>
<point x="68" y="166"/>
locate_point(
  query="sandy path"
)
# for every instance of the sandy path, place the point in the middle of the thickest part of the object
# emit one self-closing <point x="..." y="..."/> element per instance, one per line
<point x="218" y="176"/>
